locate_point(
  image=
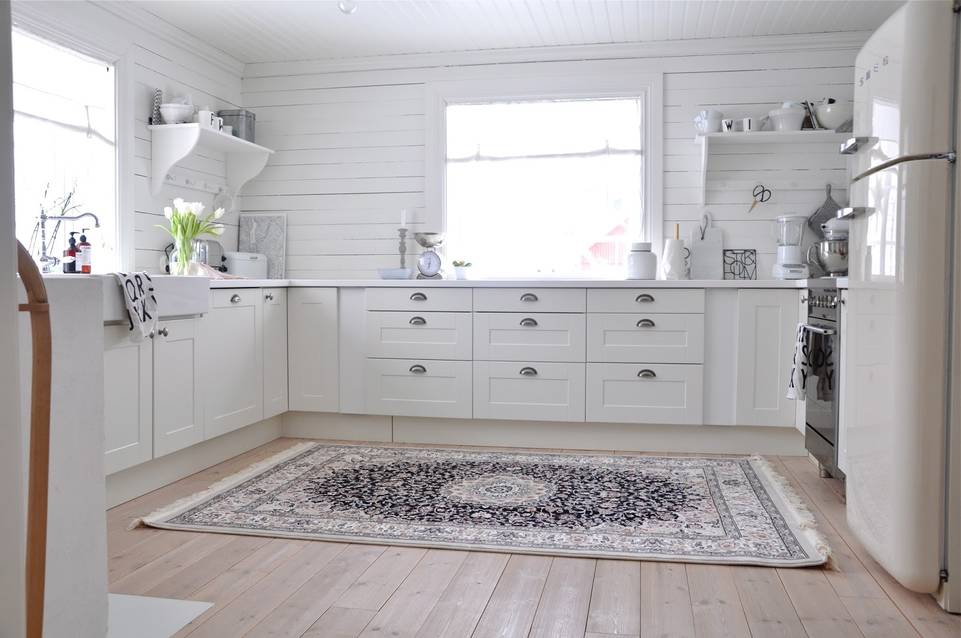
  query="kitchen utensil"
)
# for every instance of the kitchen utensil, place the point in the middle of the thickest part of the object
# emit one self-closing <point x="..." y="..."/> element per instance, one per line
<point x="810" y="113"/>
<point x="708" y="121"/>
<point x="429" y="264"/>
<point x="832" y="115"/>
<point x="790" y="263"/>
<point x="831" y="256"/>
<point x="825" y="212"/>
<point x="787" y="119"/>
<point x="707" y="245"/>
<point x="176" y="113"/>
<point x="836" y="228"/>
<point x="675" y="256"/>
<point x="158" y="98"/>
<point x="761" y="194"/>
<point x="242" y="121"/>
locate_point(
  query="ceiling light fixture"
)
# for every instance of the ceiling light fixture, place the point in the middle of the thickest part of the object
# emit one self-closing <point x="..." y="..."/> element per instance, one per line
<point x="347" y="7"/>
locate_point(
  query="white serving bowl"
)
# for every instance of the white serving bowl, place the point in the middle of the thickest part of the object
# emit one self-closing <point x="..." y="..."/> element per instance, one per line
<point x="395" y="273"/>
<point x="176" y="113"/>
<point x="787" y="119"/>
<point x="832" y="115"/>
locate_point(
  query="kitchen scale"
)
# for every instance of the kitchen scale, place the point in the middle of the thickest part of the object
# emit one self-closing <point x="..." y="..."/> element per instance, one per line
<point x="429" y="264"/>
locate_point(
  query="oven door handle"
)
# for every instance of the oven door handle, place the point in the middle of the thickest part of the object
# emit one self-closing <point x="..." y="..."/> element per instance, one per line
<point x="827" y="332"/>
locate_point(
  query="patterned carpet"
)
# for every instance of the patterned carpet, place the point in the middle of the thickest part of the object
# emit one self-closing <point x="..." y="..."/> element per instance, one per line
<point x="693" y="509"/>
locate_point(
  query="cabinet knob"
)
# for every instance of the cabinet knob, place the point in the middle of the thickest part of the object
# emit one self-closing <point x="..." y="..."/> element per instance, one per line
<point x="418" y="296"/>
<point x="163" y="332"/>
<point x="417" y="321"/>
<point x="644" y="298"/>
<point x="646" y="374"/>
<point x="528" y="372"/>
<point x="528" y="296"/>
<point x="269" y="297"/>
<point x="645" y="323"/>
<point x="528" y="322"/>
<point x="235" y="299"/>
<point x="417" y="369"/>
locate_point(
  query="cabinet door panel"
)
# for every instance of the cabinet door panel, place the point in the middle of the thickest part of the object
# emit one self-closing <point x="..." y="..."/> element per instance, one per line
<point x="177" y="396"/>
<point x="627" y="393"/>
<point x="529" y="300"/>
<point x="418" y="388"/>
<point x="529" y="391"/>
<point x="657" y="338"/>
<point x="232" y="363"/>
<point x="420" y="299"/>
<point x="313" y="349"/>
<point x="766" y="328"/>
<point x="645" y="300"/>
<point x="528" y="337"/>
<point x="275" y="351"/>
<point x="128" y="399"/>
<point x="419" y="335"/>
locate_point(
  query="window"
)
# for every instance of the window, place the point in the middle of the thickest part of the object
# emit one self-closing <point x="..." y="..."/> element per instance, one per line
<point x="64" y="141"/>
<point x="555" y="180"/>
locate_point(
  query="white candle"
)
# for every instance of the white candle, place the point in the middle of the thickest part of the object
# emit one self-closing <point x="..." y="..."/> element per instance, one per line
<point x="403" y="218"/>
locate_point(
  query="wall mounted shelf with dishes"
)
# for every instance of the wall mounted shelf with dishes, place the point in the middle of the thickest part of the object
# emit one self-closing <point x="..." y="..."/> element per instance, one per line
<point x="171" y="143"/>
<point x="717" y="142"/>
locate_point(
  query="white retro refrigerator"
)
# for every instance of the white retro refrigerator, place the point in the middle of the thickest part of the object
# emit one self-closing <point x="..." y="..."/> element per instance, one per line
<point x="901" y="406"/>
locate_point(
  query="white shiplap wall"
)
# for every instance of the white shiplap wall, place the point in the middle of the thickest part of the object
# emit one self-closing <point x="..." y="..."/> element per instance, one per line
<point x="350" y="146"/>
<point x="150" y="54"/>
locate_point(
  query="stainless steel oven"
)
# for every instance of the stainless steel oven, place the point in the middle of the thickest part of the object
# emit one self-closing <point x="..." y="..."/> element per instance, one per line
<point x="822" y="386"/>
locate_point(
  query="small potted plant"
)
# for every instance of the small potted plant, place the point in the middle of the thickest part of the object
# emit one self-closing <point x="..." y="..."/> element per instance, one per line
<point x="462" y="269"/>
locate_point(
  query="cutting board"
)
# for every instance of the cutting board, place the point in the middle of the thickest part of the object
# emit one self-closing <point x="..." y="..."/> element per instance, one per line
<point x="707" y="254"/>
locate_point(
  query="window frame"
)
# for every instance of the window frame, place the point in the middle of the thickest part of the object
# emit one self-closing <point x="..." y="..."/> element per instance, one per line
<point x="648" y="87"/>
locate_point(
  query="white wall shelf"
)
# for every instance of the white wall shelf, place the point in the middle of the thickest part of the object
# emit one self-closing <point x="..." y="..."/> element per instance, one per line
<point x="709" y="142"/>
<point x="171" y="143"/>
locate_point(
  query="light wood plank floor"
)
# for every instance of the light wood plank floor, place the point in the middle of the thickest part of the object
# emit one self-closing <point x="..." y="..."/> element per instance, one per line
<point x="275" y="587"/>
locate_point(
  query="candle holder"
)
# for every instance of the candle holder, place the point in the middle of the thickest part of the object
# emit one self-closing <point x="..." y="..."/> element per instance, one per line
<point x="402" y="246"/>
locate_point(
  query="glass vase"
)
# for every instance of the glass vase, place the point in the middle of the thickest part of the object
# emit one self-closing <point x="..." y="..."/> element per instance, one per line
<point x="190" y="248"/>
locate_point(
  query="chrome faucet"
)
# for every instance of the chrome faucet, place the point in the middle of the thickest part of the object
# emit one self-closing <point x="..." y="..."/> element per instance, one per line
<point x="49" y="262"/>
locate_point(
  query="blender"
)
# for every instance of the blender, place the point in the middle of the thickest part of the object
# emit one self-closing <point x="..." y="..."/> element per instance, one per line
<point x="790" y="262"/>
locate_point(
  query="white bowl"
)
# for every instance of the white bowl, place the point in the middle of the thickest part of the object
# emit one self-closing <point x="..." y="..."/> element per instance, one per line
<point x="789" y="119"/>
<point x="832" y="115"/>
<point x="395" y="273"/>
<point x="176" y="113"/>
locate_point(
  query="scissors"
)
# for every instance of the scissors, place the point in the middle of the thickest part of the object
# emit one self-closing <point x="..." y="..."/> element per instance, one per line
<point x="761" y="195"/>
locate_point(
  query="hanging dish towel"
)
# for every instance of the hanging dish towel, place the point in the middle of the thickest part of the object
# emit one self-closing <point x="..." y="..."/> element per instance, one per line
<point x="138" y="296"/>
<point x="803" y="365"/>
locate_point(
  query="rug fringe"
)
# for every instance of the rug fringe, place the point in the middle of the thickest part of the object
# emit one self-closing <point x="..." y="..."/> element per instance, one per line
<point x="221" y="485"/>
<point x="803" y="517"/>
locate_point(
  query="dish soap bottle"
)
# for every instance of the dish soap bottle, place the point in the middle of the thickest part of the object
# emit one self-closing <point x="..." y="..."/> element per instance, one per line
<point x="84" y="254"/>
<point x="70" y="255"/>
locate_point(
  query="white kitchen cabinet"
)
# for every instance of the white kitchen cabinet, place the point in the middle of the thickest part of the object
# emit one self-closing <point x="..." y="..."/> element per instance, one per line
<point x="128" y="399"/>
<point x="660" y="338"/>
<point x="645" y="300"/>
<point x="177" y="397"/>
<point x="411" y="387"/>
<point x="512" y="336"/>
<point x="232" y="360"/>
<point x="645" y="393"/>
<point x="313" y="349"/>
<point x="766" y="327"/>
<point x="275" y="351"/>
<point x="529" y="391"/>
<point x="419" y="335"/>
<point x="529" y="300"/>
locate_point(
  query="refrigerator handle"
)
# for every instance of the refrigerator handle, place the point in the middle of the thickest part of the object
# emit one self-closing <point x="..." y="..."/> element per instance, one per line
<point x="950" y="156"/>
<point x="854" y="145"/>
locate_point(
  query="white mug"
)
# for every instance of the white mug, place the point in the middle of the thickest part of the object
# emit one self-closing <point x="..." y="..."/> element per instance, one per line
<point x="219" y="123"/>
<point x="747" y="124"/>
<point x="727" y="125"/>
<point x="207" y="119"/>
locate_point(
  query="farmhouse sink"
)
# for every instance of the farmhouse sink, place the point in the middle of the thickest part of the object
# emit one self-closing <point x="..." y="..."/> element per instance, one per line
<point x="176" y="297"/>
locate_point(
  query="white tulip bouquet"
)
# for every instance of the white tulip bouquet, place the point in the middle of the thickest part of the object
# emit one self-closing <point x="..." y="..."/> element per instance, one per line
<point x="187" y="223"/>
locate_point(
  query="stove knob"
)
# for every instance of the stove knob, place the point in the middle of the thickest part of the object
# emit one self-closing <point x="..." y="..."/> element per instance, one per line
<point x="833" y="302"/>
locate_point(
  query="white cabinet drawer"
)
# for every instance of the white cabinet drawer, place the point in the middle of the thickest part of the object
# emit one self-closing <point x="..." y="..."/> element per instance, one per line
<point x="528" y="337"/>
<point x="529" y="299"/>
<point x="658" y="338"/>
<point x="419" y="299"/>
<point x="231" y="297"/>
<point x="529" y="391"/>
<point x="414" y="387"/>
<point x="419" y="335"/>
<point x="645" y="393"/>
<point x="645" y="300"/>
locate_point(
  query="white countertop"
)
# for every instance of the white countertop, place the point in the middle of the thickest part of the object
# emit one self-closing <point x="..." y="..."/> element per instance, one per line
<point x="518" y="283"/>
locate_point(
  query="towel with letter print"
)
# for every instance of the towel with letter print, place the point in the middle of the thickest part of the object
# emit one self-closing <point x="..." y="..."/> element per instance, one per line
<point x="138" y="296"/>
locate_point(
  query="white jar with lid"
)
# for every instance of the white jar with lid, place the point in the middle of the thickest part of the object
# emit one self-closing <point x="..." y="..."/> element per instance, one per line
<point x="641" y="262"/>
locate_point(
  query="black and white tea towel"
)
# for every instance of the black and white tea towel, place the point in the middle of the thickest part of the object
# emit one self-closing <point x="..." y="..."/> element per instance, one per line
<point x="138" y="296"/>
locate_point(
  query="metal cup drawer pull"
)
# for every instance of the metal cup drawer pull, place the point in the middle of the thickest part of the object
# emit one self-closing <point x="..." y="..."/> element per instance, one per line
<point x="528" y="322"/>
<point x="235" y="299"/>
<point x="269" y="297"/>
<point x="646" y="374"/>
<point x="528" y="372"/>
<point x="418" y="296"/>
<point x="645" y="323"/>
<point x="644" y="298"/>
<point x="417" y="369"/>
<point x="163" y="332"/>
<point x="417" y="321"/>
<point x="528" y="296"/>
